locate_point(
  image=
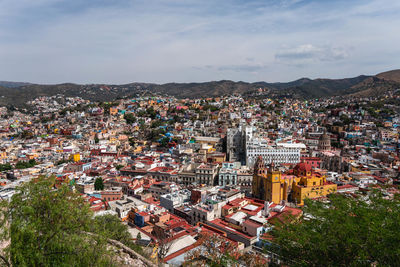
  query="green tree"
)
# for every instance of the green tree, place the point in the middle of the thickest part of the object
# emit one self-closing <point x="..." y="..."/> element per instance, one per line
<point x="156" y="124"/>
<point x="25" y="164"/>
<point x="98" y="184"/>
<point x="110" y="226"/>
<point x="48" y="227"/>
<point x="346" y="232"/>
<point x="345" y="119"/>
<point x="151" y="113"/>
<point x="130" y="118"/>
<point x="141" y="113"/>
<point x="214" y="251"/>
<point x="155" y="134"/>
<point x="131" y="141"/>
<point x="62" y="161"/>
<point x="164" y="142"/>
<point x="119" y="166"/>
<point x="5" y="167"/>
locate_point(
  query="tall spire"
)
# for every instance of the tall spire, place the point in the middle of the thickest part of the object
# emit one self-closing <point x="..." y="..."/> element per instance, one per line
<point x="259" y="166"/>
<point x="272" y="166"/>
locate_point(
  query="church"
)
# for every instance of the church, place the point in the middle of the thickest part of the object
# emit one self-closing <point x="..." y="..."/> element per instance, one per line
<point x="298" y="184"/>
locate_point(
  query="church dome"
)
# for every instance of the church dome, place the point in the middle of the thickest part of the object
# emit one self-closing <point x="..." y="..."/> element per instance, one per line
<point x="324" y="142"/>
<point x="303" y="167"/>
<point x="324" y="137"/>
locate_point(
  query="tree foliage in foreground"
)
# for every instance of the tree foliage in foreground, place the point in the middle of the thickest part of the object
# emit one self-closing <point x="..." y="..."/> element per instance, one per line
<point x="220" y="252"/>
<point x="214" y="251"/>
<point x="48" y="227"/>
<point x="111" y="227"/>
<point x="346" y="232"/>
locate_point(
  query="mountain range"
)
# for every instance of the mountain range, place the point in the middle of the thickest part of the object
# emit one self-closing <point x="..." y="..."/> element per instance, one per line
<point x="17" y="93"/>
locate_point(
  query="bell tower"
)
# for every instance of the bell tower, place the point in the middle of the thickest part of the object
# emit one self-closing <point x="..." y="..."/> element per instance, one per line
<point x="274" y="190"/>
<point x="258" y="176"/>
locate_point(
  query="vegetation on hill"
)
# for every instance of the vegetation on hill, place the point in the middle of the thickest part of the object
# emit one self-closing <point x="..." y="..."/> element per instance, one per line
<point x="393" y="75"/>
<point x="130" y="118"/>
<point x="372" y="87"/>
<point x="323" y="87"/>
<point x="5" y="167"/>
<point x="25" y="164"/>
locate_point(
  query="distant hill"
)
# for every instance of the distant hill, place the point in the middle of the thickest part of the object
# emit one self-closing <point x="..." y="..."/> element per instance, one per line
<point x="323" y="87"/>
<point x="17" y="94"/>
<point x="298" y="82"/>
<point x="12" y="84"/>
<point x="211" y="89"/>
<point x="393" y="75"/>
<point x="373" y="86"/>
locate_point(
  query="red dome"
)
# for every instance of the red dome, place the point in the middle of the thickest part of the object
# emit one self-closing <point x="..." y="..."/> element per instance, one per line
<point x="303" y="167"/>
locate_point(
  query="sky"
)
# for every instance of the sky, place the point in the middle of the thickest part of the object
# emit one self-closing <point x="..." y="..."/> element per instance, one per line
<point x="160" y="41"/>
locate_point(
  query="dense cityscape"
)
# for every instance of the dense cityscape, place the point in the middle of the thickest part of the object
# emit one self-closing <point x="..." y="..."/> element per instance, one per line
<point x="213" y="133"/>
<point x="175" y="171"/>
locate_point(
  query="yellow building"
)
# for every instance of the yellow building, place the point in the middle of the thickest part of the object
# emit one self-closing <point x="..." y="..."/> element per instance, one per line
<point x="269" y="184"/>
<point x="31" y="156"/>
<point x="138" y="149"/>
<point x="309" y="184"/>
<point x="214" y="117"/>
<point x="3" y="155"/>
<point x="76" y="157"/>
<point x="112" y="140"/>
<point x="217" y="157"/>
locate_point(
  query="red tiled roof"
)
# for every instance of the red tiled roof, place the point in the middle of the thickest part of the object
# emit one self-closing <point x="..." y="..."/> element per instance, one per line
<point x="310" y="158"/>
<point x="161" y="169"/>
<point x="285" y="215"/>
<point x="225" y="225"/>
<point x="346" y="186"/>
<point x="252" y="223"/>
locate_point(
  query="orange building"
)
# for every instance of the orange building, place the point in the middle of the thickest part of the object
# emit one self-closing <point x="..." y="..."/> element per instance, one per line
<point x="111" y="195"/>
<point x="113" y="111"/>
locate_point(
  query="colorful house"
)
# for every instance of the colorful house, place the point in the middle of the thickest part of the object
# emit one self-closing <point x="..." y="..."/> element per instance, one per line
<point x="300" y="183"/>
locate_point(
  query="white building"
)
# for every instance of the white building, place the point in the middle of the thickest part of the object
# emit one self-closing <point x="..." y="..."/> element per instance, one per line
<point x="245" y="144"/>
<point x="173" y="200"/>
<point x="276" y="154"/>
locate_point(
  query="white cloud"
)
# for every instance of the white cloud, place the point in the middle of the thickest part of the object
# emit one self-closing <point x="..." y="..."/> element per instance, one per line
<point x="309" y="53"/>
